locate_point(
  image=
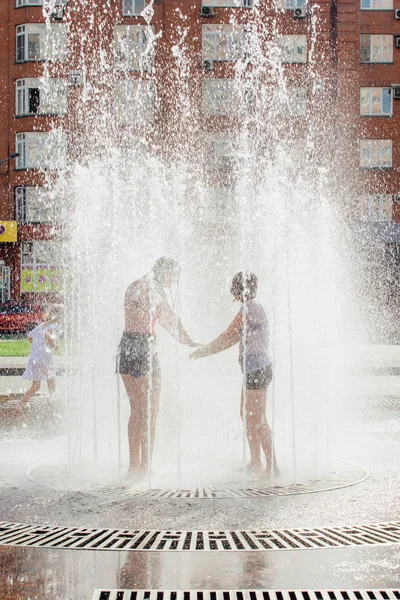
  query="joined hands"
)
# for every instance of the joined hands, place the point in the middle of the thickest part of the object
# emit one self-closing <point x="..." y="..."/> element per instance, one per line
<point x="199" y="353"/>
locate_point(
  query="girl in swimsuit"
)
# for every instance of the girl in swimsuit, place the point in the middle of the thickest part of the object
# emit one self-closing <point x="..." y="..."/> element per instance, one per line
<point x="137" y="358"/>
<point x="250" y="329"/>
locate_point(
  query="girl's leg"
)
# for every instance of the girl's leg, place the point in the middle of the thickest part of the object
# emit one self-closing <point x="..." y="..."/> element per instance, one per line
<point x="35" y="387"/>
<point x="51" y="386"/>
<point x="136" y="388"/>
<point x="255" y="401"/>
<point x="267" y="441"/>
<point x="268" y="446"/>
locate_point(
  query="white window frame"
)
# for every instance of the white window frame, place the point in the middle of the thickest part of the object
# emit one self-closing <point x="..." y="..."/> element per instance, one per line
<point x="41" y="150"/>
<point x="219" y="97"/>
<point x="375" y="5"/>
<point x="134" y="101"/>
<point x="290" y="4"/>
<point x="219" y="150"/>
<point x="379" y="59"/>
<point x="294" y="102"/>
<point x="34" y="205"/>
<point x="370" y="154"/>
<point x="53" y="42"/>
<point x="228" y="3"/>
<point x="377" y="208"/>
<point x="53" y="98"/>
<point x="375" y="91"/>
<point x="290" y="46"/>
<point x="223" y="97"/>
<point x="131" y="54"/>
<point x="20" y="3"/>
<point x="215" y="36"/>
<point x="136" y="12"/>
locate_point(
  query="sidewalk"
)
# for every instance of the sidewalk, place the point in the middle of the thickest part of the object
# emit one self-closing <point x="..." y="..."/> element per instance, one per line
<point x="19" y="362"/>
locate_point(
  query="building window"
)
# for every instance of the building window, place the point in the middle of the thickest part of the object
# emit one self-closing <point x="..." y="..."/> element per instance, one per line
<point x="225" y="97"/>
<point x="40" y="267"/>
<point x="42" y="42"/>
<point x="41" y="150"/>
<point x="376" y="4"/>
<point x="376" y="102"/>
<point x="223" y="42"/>
<point x="293" y="47"/>
<point x="29" y="3"/>
<point x="134" y="101"/>
<point x="229" y="3"/>
<point x="34" y="204"/>
<point x="220" y="204"/>
<point x="219" y="150"/>
<point x="5" y="277"/>
<point x="376" y="207"/>
<point x="376" y="48"/>
<point x="133" y="8"/>
<point x="290" y="4"/>
<point x="376" y="154"/>
<point x="133" y="50"/>
<point x="294" y="102"/>
<point x="41" y="97"/>
<point x="219" y="97"/>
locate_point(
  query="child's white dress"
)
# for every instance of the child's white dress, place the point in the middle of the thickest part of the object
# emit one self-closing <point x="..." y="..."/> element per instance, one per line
<point x="40" y="363"/>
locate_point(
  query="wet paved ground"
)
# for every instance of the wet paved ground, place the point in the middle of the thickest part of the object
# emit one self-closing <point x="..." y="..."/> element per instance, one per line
<point x="370" y="436"/>
<point x="46" y="574"/>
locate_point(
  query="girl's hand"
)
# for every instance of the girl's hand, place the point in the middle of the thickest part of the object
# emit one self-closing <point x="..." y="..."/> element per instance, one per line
<point x="199" y="353"/>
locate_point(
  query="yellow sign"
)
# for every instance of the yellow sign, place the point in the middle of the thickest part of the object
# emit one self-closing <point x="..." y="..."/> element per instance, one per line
<point x="44" y="279"/>
<point x="8" y="231"/>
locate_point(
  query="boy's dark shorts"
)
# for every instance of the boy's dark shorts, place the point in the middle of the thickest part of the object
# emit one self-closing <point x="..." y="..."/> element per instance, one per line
<point x="137" y="355"/>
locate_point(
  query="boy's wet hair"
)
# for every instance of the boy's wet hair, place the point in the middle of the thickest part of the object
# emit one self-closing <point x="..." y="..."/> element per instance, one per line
<point x="244" y="284"/>
<point x="164" y="268"/>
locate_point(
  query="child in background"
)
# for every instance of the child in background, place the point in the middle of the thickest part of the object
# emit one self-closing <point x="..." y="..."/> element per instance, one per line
<point x="44" y="339"/>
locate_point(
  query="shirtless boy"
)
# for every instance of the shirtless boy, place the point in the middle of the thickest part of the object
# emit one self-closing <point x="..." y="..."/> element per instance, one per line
<point x="137" y="358"/>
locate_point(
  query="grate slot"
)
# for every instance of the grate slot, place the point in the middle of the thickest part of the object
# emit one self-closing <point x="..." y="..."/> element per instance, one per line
<point x="389" y="594"/>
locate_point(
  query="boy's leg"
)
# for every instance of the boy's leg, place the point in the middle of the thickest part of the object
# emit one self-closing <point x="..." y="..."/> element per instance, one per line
<point x="154" y="401"/>
<point x="135" y="387"/>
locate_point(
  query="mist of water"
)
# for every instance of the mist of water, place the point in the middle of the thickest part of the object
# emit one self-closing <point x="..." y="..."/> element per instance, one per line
<point x="260" y="194"/>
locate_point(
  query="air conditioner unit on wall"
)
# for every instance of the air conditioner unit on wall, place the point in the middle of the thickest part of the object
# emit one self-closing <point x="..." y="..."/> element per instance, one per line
<point x="396" y="92"/>
<point x="248" y="3"/>
<point x="397" y="13"/>
<point x="299" y="13"/>
<point x="397" y="40"/>
<point x="207" y="11"/>
<point x="396" y="198"/>
<point x="57" y="12"/>
<point x="75" y="78"/>
<point x="208" y="65"/>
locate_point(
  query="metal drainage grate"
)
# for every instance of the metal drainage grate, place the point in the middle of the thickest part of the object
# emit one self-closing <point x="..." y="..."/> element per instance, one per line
<point x="83" y="538"/>
<point x="246" y="595"/>
<point x="56" y="477"/>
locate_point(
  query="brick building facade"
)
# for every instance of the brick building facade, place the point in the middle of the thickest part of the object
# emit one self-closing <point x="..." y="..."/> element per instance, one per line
<point x="344" y="50"/>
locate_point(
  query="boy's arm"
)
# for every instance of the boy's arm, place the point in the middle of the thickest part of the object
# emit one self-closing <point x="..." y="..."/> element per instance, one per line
<point x="172" y="323"/>
<point x="225" y="340"/>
